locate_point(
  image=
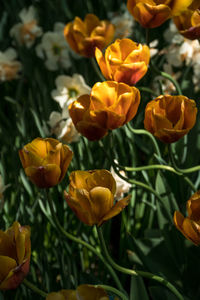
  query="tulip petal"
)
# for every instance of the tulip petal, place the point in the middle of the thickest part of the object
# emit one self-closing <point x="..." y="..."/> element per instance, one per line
<point x="179" y="6"/>
<point x="7" y="264"/>
<point x="192" y="231"/>
<point x="102" y="178"/>
<point x="130" y="73"/>
<point x="89" y="292"/>
<point x="193" y="207"/>
<point x="7" y="247"/>
<point x="102" y="63"/>
<point x="101" y="202"/>
<point x="116" y="209"/>
<point x="44" y="176"/>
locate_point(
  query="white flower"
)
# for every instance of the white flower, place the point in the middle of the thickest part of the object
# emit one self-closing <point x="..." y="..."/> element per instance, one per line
<point x="62" y="126"/>
<point x="123" y="22"/>
<point x="152" y="46"/>
<point x="122" y="186"/>
<point x="9" y="67"/>
<point x="54" y="49"/>
<point x="69" y="88"/>
<point x="27" y="30"/>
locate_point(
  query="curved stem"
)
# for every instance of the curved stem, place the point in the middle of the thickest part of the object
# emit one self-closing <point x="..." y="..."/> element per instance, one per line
<point x="148" y="90"/>
<point x="169" y="77"/>
<point x="132" y="181"/>
<point x="145" y="132"/>
<point x="134" y="272"/>
<point x="79" y="241"/>
<point x="113" y="290"/>
<point x="34" y="288"/>
<point x="96" y="68"/>
<point x="179" y="170"/>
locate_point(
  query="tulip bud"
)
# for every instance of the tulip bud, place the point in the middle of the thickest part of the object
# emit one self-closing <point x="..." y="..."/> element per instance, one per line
<point x="91" y="196"/>
<point x="15" y="252"/>
<point x="84" y="36"/>
<point x="45" y="161"/>
<point x="189" y="226"/>
<point x="109" y="106"/>
<point x="169" y="118"/>
<point x="124" y="61"/>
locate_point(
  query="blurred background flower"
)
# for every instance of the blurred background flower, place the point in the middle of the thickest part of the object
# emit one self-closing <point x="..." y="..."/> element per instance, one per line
<point x="27" y="30"/>
<point x="9" y="67"/>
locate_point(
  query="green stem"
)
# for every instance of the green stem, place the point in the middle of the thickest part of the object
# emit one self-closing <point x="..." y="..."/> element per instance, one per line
<point x="34" y="288"/>
<point x="79" y="241"/>
<point x="96" y="68"/>
<point x="134" y="272"/>
<point x="145" y="132"/>
<point x="113" y="290"/>
<point x="169" y="77"/>
<point x="132" y="181"/>
<point x="171" y="156"/>
<point x="147" y="36"/>
<point x="148" y="90"/>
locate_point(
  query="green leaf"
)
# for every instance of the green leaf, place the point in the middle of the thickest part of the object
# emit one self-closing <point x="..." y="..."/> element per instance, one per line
<point x="138" y="290"/>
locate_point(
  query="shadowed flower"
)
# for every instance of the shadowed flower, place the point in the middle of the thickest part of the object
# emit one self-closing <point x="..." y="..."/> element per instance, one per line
<point x="190" y="226"/>
<point x="45" y="161"/>
<point x="109" y="106"/>
<point x="91" y="196"/>
<point x="69" y="88"/>
<point x="153" y="13"/>
<point x="53" y="49"/>
<point x="84" y="36"/>
<point x="27" y="30"/>
<point x="169" y="118"/>
<point x="62" y="126"/>
<point x="15" y="252"/>
<point x="83" y="292"/>
<point x="188" y="24"/>
<point x="9" y="67"/>
<point x="124" y="61"/>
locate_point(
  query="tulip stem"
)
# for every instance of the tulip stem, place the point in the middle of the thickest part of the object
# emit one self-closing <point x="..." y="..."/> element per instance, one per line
<point x="136" y="272"/>
<point x="132" y="181"/>
<point x="96" y="68"/>
<point x="79" y="241"/>
<point x="113" y="290"/>
<point x="34" y="288"/>
<point x="145" y="132"/>
<point x="171" y="157"/>
<point x="167" y="76"/>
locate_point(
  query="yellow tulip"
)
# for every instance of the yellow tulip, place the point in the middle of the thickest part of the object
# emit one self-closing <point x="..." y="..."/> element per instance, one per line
<point x="124" y="61"/>
<point x="169" y="118"/>
<point x="15" y="252"/>
<point x="45" y="161"/>
<point x="84" y="36"/>
<point x="109" y="106"/>
<point x="190" y="226"/>
<point x="91" y="196"/>
<point x="153" y="13"/>
<point x="188" y="24"/>
<point x="83" y="292"/>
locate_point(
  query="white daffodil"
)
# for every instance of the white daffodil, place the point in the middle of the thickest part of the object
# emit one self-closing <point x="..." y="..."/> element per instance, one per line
<point x="62" y="127"/>
<point x="122" y="186"/>
<point x="9" y="67"/>
<point x="27" y="30"/>
<point x="54" y="49"/>
<point x="69" y="89"/>
<point x="123" y="22"/>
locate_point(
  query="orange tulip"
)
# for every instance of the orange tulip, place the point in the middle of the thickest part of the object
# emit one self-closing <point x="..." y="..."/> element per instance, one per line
<point x="188" y="24"/>
<point x="84" y="36"/>
<point x="190" y="226"/>
<point x="109" y="106"/>
<point x="15" y="252"/>
<point x="83" y="292"/>
<point x="124" y="61"/>
<point x="169" y="118"/>
<point x="91" y="196"/>
<point x="153" y="13"/>
<point x="45" y="161"/>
